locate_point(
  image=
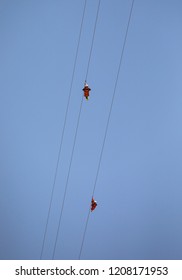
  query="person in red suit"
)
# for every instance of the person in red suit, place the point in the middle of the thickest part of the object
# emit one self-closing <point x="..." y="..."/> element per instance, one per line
<point x="86" y="90"/>
<point x="93" y="204"/>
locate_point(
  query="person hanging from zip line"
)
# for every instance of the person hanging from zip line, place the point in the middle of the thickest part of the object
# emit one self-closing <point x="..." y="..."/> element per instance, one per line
<point x="93" y="204"/>
<point x="86" y="90"/>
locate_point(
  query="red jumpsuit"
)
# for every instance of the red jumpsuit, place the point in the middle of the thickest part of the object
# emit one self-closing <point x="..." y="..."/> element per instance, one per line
<point x="93" y="205"/>
<point x="86" y="90"/>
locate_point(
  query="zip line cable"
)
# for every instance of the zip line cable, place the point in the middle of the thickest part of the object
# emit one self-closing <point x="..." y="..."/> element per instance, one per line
<point x="78" y="121"/>
<point x="98" y="8"/>
<point x="63" y="130"/>
<point x="65" y="191"/>
<point x="107" y="124"/>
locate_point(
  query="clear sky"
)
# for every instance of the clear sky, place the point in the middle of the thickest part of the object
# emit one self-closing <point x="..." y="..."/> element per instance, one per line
<point x="139" y="186"/>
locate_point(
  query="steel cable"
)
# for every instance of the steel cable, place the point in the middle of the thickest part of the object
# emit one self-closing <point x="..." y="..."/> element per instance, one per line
<point x="107" y="124"/>
<point x="72" y="153"/>
<point x="63" y="131"/>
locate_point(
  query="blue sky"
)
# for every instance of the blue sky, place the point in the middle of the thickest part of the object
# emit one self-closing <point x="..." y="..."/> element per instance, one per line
<point x="139" y="184"/>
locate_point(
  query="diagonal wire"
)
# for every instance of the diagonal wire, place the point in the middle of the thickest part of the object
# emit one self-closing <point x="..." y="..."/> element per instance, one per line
<point x="72" y="153"/>
<point x="92" y="43"/>
<point x="107" y="124"/>
<point x="64" y="196"/>
<point x="63" y="130"/>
